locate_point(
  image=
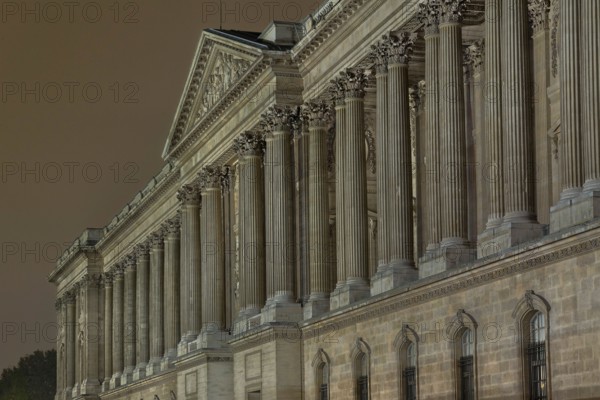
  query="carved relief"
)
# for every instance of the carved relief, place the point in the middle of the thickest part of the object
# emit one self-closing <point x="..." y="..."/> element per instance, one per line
<point x="474" y="56"/>
<point x="379" y="55"/>
<point x="318" y="113"/>
<point x="279" y="118"/>
<point x="212" y="176"/>
<point x="401" y="47"/>
<point x="355" y="81"/>
<point x="249" y="143"/>
<point x="189" y="193"/>
<point x="429" y="15"/>
<point x="337" y="91"/>
<point x="538" y="15"/>
<point x="451" y="11"/>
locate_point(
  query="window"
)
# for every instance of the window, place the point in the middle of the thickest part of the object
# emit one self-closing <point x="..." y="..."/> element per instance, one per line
<point x="362" y="384"/>
<point x="410" y="378"/>
<point x="465" y="366"/>
<point x="323" y="383"/>
<point x="536" y="357"/>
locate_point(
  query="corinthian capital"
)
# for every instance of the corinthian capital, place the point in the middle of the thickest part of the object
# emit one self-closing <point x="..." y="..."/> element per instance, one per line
<point x="538" y="14"/>
<point x="280" y="118"/>
<point x="401" y="47"/>
<point x="189" y="193"/>
<point x="130" y="262"/>
<point x="474" y="55"/>
<point x="429" y="14"/>
<point x="337" y="90"/>
<point x="249" y="144"/>
<point x="379" y="54"/>
<point x="355" y="82"/>
<point x="452" y="11"/>
<point x="142" y="249"/>
<point x="317" y="112"/>
<point x="156" y="239"/>
<point x="70" y="296"/>
<point x="212" y="176"/>
<point x="173" y="225"/>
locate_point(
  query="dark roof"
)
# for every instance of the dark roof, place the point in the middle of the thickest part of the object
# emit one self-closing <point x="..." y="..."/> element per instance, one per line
<point x="250" y="38"/>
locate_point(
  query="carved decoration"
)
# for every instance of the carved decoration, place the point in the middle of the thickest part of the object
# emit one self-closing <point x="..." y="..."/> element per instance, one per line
<point x="379" y="54"/>
<point x="452" y="10"/>
<point x="212" y="176"/>
<point x="555" y="12"/>
<point x="130" y="262"/>
<point x="281" y="118"/>
<point x="401" y="47"/>
<point x="337" y="91"/>
<point x="249" y="144"/>
<point x="141" y="249"/>
<point x="474" y="56"/>
<point x="355" y="82"/>
<point x="538" y="15"/>
<point x="58" y="304"/>
<point x="370" y="142"/>
<point x="157" y="239"/>
<point x="189" y="193"/>
<point x="173" y="225"/>
<point x="318" y="113"/>
<point x="331" y="149"/>
<point x="429" y="15"/>
<point x="459" y="322"/>
<point x="108" y="278"/>
<point x="404" y="337"/>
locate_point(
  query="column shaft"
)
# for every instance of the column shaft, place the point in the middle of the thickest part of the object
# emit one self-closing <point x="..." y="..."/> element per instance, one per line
<point x="171" y="313"/>
<point x="142" y="300"/>
<point x="70" y="341"/>
<point x="570" y="98"/>
<point x="493" y="112"/>
<point x="129" y="322"/>
<point x="340" y="168"/>
<point x="382" y="148"/>
<point x="118" y="323"/>
<point x="518" y="169"/>
<point x="108" y="327"/>
<point x="156" y="297"/>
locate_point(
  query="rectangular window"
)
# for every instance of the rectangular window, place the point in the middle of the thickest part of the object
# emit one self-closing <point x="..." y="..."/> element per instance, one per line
<point x="537" y="370"/>
<point x="363" y="388"/>
<point x="467" y="385"/>
<point x="410" y="384"/>
<point x="324" y="392"/>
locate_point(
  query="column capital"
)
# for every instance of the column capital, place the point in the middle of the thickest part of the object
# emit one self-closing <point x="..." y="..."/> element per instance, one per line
<point x="142" y="250"/>
<point x="212" y="177"/>
<point x="58" y="304"/>
<point x="318" y="113"/>
<point x="173" y="225"/>
<point x="156" y="239"/>
<point x="130" y="262"/>
<point x="429" y="14"/>
<point x="452" y="11"/>
<point x="281" y="118"/>
<point x="189" y="193"/>
<point x="379" y="55"/>
<point x="107" y="278"/>
<point x="249" y="144"/>
<point x="70" y="296"/>
<point x="356" y="81"/>
<point x="337" y="90"/>
<point x="117" y="270"/>
<point x="538" y="15"/>
<point x="474" y="55"/>
<point x="401" y="47"/>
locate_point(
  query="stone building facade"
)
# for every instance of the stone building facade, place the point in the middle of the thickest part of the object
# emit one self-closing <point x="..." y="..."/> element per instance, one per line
<point x="390" y="199"/>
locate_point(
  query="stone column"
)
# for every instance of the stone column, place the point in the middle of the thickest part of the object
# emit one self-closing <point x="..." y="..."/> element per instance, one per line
<point x="430" y="16"/>
<point x="337" y="91"/>
<point x="590" y="33"/>
<point x="60" y="320"/>
<point x="129" y="322"/>
<point x="191" y="303"/>
<point x="318" y="210"/>
<point x="77" y="350"/>
<point x="355" y="190"/>
<point x="280" y="228"/>
<point x="250" y="148"/>
<point x="379" y="56"/>
<point x="90" y="335"/>
<point x="493" y="112"/>
<point x="70" y="332"/>
<point x="156" y="312"/>
<point x="118" y="332"/>
<point x="399" y="189"/>
<point x="142" y="307"/>
<point x="171" y="312"/>
<point x="108" y="330"/>
<point x="213" y="258"/>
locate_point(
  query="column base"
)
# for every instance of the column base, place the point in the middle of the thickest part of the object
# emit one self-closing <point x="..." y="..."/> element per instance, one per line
<point x="350" y="292"/>
<point x="90" y="387"/>
<point x="575" y="211"/>
<point x="75" y="390"/>
<point x="212" y="339"/>
<point x="115" y="381"/>
<point x="245" y="322"/>
<point x="139" y="372"/>
<point x="281" y="312"/>
<point x="392" y="276"/>
<point x="105" y="386"/>
<point x="167" y="361"/>
<point x="182" y="347"/>
<point x="317" y="305"/>
<point x="444" y="259"/>
<point x="127" y="376"/>
<point x="66" y="394"/>
<point x="153" y="366"/>
<point x="509" y="234"/>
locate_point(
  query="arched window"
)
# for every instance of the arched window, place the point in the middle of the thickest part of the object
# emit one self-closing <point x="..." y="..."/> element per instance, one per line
<point x="362" y="383"/>
<point x="536" y="357"/>
<point x="465" y="366"/>
<point x="323" y="381"/>
<point x="410" y="372"/>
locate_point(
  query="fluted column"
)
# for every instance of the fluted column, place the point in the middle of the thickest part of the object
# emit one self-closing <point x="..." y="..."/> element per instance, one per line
<point x="518" y="169"/>
<point x="250" y="149"/>
<point x="129" y="322"/>
<point x="355" y="185"/>
<point x="493" y="111"/>
<point x="156" y="314"/>
<point x="379" y="56"/>
<point x="70" y="340"/>
<point x="430" y="15"/>
<point x="337" y="91"/>
<point x="118" y="324"/>
<point x="318" y="210"/>
<point x="399" y="189"/>
<point x="108" y="329"/>
<point x="590" y="33"/>
<point x="570" y="96"/>
<point x="452" y="126"/>
<point x="90" y="334"/>
<point x="213" y="256"/>
<point x="142" y="308"/>
<point x="191" y="302"/>
<point x="60" y="347"/>
<point x="171" y="312"/>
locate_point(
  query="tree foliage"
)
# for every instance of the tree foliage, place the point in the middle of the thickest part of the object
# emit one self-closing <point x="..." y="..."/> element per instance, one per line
<point x="34" y="378"/>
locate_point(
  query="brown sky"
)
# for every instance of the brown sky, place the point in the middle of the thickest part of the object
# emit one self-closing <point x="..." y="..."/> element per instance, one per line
<point x="72" y="157"/>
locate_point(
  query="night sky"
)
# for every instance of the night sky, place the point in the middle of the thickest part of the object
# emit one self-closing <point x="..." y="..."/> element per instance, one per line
<point x="88" y="90"/>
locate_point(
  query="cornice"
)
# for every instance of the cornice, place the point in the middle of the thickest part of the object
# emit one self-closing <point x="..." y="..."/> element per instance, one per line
<point x="479" y="273"/>
<point x="288" y="331"/>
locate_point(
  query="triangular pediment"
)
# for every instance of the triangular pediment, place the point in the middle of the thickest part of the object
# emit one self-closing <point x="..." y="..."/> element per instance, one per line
<point x="220" y="64"/>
